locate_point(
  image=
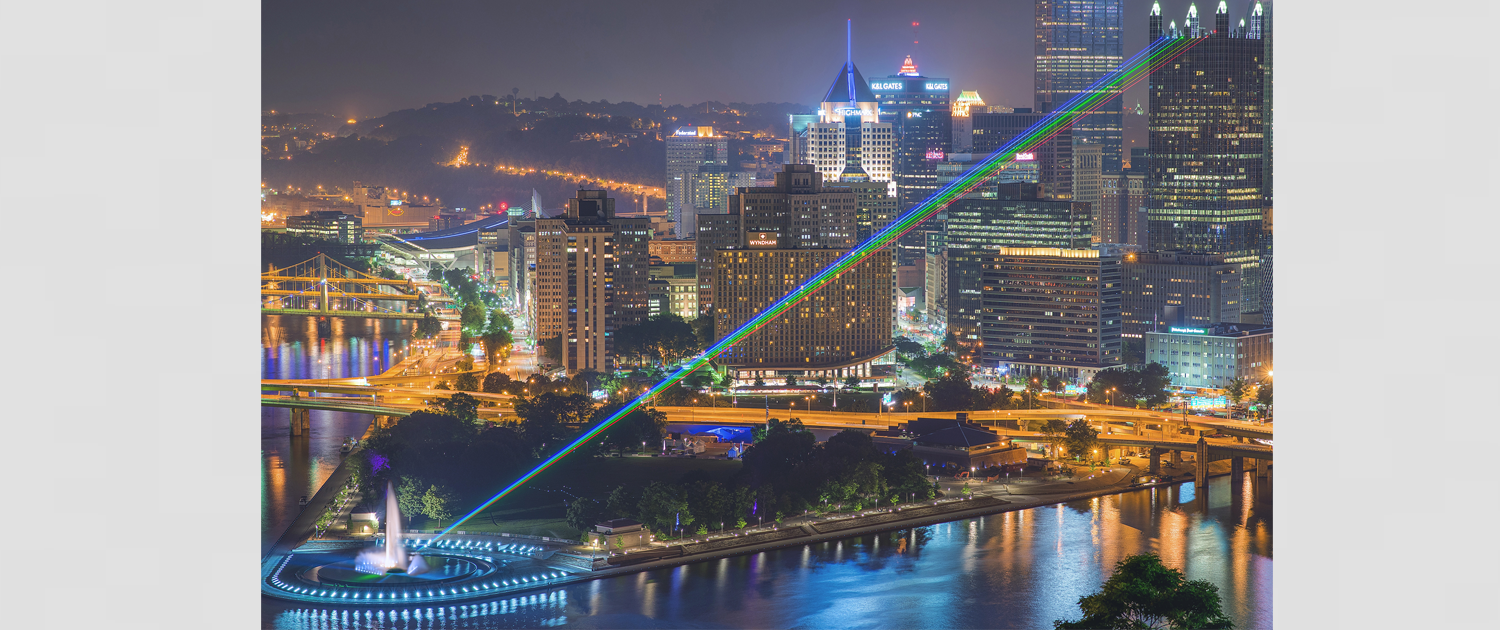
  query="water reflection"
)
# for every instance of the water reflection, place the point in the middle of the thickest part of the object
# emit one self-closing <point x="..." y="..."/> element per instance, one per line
<point x="1015" y="570"/>
<point x="295" y="347"/>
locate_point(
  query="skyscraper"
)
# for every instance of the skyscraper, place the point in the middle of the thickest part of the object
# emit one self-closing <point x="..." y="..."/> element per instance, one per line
<point x="592" y="278"/>
<point x="1207" y="147"/>
<point x="1054" y="157"/>
<point x="917" y="109"/>
<point x="848" y="143"/>
<point x="697" y="174"/>
<point x="968" y="103"/>
<point x="1077" y="43"/>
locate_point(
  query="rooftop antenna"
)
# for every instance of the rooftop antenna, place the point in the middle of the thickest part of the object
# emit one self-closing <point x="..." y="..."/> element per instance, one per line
<point x="849" y="56"/>
<point x="914" y="37"/>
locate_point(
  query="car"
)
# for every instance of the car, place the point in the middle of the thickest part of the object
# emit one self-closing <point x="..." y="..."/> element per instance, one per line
<point x="1124" y="461"/>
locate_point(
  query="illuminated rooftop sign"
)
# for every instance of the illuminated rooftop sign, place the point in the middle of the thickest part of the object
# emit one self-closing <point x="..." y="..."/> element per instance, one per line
<point x="888" y="85"/>
<point x="1026" y="156"/>
<point x="935" y="86"/>
<point x="1188" y="331"/>
<point x="935" y="155"/>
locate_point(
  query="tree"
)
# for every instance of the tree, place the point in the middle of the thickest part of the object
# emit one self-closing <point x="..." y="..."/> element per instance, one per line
<point x="497" y="383"/>
<point x="1053" y="431"/>
<point x="472" y="316"/>
<point x="429" y="326"/>
<point x="703" y="331"/>
<point x="437" y="503"/>
<point x="1144" y="593"/>
<point x="822" y="380"/>
<point x="465" y="363"/>
<point x="950" y="392"/>
<point x="622" y="503"/>
<point x="951" y="344"/>
<point x="1080" y="438"/>
<point x="664" y="339"/>
<point x="552" y="347"/>
<point x="791" y="381"/>
<point x="1263" y="395"/>
<point x="662" y="506"/>
<point x="759" y="382"/>
<point x="443" y="385"/>
<point x="1235" y="390"/>
<point x="852" y="382"/>
<point x="466" y="382"/>
<point x="1132" y="351"/>
<point x="584" y="513"/>
<point x="1055" y="383"/>
<point x="497" y="343"/>
<point x="545" y="417"/>
<point x="459" y="405"/>
<point x="906" y="348"/>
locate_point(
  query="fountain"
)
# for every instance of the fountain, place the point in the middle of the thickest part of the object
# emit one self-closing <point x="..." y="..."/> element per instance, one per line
<point x="362" y="572"/>
<point x="393" y="559"/>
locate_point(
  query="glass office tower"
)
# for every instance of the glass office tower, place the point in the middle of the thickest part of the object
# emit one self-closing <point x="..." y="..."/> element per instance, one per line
<point x="1077" y="43"/>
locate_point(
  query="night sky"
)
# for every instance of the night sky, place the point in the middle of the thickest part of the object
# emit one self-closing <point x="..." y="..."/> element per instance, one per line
<point x="370" y="57"/>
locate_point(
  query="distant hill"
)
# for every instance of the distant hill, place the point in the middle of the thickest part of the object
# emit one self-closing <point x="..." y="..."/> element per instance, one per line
<point x="412" y="148"/>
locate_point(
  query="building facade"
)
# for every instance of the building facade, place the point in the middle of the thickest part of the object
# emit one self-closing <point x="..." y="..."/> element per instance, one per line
<point x="849" y="143"/>
<point x="1121" y="217"/>
<point x="1077" y="43"/>
<point x="674" y="250"/>
<point x="1163" y="289"/>
<point x="1054" y="157"/>
<point x="327" y="225"/>
<point x="592" y="278"/>
<point x="1209" y="357"/>
<point x="697" y="175"/>
<point x="1051" y="311"/>
<point x="991" y="219"/>
<point x="1207" y="149"/>
<point x="836" y="332"/>
<point x="918" y="111"/>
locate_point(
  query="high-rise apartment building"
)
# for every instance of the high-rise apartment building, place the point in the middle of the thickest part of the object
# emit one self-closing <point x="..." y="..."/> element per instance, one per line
<point x="995" y="217"/>
<point x="1207" y="157"/>
<point x="1054" y="157"/>
<point x="1051" y="311"/>
<point x="697" y="175"/>
<point x="917" y="109"/>
<point x="592" y="278"/>
<point x="1077" y="43"/>
<point x="1163" y="289"/>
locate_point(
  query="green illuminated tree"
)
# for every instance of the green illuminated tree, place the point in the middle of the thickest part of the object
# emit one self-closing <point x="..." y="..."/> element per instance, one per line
<point x="437" y="503"/>
<point x="1235" y="390"/>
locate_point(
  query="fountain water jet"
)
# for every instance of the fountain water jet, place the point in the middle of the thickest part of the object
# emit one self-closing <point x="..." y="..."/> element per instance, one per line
<point x="393" y="558"/>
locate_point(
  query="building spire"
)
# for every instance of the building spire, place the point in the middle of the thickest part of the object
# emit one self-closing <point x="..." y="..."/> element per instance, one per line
<point x="909" y="68"/>
<point x="849" y="55"/>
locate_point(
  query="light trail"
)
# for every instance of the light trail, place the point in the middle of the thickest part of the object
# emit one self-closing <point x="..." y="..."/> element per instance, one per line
<point x="1130" y="72"/>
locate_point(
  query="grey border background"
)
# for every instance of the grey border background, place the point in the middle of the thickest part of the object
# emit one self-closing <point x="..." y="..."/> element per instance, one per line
<point x="130" y="156"/>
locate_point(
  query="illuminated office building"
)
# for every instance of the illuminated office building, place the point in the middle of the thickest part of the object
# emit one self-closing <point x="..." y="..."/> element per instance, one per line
<point x="994" y="217"/>
<point x="1054" y="157"/>
<point x="848" y="143"/>
<point x="1207" y="155"/>
<point x="1163" y="289"/>
<point x="697" y="175"/>
<point x="917" y="109"/>
<point x="1077" y="43"/>
<point x="1051" y="311"/>
<point x="966" y="105"/>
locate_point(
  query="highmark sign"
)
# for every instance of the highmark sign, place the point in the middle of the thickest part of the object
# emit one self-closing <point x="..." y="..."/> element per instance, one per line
<point x="1188" y="331"/>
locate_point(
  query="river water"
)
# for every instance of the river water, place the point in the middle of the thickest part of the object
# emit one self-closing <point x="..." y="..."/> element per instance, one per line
<point x="1020" y="569"/>
<point x="293" y="347"/>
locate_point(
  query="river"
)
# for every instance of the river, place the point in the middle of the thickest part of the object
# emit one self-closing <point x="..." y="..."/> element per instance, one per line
<point x="1020" y="569"/>
<point x="292" y="347"/>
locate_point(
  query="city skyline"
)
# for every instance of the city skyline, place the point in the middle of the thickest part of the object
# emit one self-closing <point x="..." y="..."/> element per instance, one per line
<point x="309" y="62"/>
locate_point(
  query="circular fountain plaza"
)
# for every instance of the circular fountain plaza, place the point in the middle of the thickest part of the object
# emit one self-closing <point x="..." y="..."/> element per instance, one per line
<point x="451" y="569"/>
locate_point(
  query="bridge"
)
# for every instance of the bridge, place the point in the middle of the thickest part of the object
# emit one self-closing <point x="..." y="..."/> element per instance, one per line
<point x="325" y="287"/>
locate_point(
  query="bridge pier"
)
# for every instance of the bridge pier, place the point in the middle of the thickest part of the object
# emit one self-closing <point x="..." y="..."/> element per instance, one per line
<point x="1236" y="468"/>
<point x="1155" y="461"/>
<point x="1176" y="458"/>
<point x="301" y="423"/>
<point x="1200" y="467"/>
<point x="1262" y="468"/>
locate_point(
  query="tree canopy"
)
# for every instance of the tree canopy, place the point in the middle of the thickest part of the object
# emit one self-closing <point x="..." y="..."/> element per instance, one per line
<point x="1144" y="386"/>
<point x="1144" y="593"/>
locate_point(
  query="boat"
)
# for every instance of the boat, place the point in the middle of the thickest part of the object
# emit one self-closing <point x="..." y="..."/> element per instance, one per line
<point x="302" y="502"/>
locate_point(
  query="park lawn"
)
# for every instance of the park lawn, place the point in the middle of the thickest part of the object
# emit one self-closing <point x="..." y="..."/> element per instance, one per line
<point x="538" y="508"/>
